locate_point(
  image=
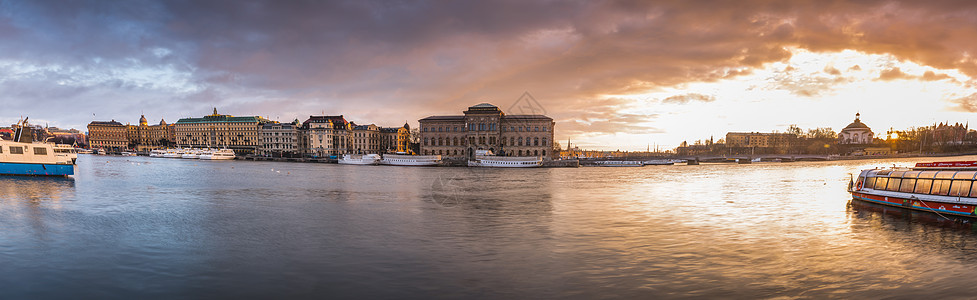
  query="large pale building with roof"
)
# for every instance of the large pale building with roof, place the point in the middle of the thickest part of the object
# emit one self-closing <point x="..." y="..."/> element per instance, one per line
<point x="328" y="135"/>
<point x="108" y="135"/>
<point x="486" y="127"/>
<point x="856" y="133"/>
<point x="219" y="131"/>
<point x="145" y="137"/>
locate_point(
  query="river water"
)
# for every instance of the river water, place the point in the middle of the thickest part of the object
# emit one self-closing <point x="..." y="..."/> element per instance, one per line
<point x="138" y="227"/>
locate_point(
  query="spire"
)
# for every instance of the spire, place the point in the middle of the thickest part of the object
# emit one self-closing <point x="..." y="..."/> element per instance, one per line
<point x="857" y="115"/>
<point x="215" y="111"/>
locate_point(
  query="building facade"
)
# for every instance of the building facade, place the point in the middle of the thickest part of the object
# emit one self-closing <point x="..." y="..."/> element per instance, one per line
<point x="366" y="139"/>
<point x="486" y="127"/>
<point x="327" y="135"/>
<point x="856" y="133"/>
<point x="111" y="136"/>
<point x="220" y="131"/>
<point x="145" y="137"/>
<point x="281" y="139"/>
<point x="759" y="139"/>
<point x="395" y="139"/>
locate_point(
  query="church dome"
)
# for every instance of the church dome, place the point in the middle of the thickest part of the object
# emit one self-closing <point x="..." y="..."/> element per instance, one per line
<point x="142" y="120"/>
<point x="857" y="124"/>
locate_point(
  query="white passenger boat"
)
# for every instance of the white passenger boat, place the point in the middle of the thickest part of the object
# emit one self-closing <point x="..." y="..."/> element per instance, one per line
<point x="66" y="151"/>
<point x="939" y="187"/>
<point x="191" y="153"/>
<point x="410" y="160"/>
<point x="484" y="158"/>
<point x="157" y="153"/>
<point x="221" y="154"/>
<point x="84" y="151"/>
<point x="360" y="159"/>
<point x="620" y="163"/>
<point x="173" y="153"/>
<point x="25" y="157"/>
<point x="659" y="162"/>
<point x="128" y="154"/>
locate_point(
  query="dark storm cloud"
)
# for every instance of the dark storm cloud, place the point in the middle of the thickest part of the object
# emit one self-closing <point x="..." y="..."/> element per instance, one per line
<point x="388" y="61"/>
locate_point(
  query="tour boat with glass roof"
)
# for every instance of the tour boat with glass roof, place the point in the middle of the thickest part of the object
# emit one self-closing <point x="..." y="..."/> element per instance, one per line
<point x="485" y="158"/>
<point x="619" y="163"/>
<point x="940" y="187"/>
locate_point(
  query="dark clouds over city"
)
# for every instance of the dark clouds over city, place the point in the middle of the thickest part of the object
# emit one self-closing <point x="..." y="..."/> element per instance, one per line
<point x="387" y="62"/>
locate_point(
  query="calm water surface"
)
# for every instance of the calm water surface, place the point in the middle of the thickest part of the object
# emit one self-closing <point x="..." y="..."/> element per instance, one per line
<point x="137" y="227"/>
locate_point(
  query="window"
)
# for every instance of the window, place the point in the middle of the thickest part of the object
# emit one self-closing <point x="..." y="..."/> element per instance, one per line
<point x="16" y="150"/>
<point x="535" y="141"/>
<point x="923" y="186"/>
<point x="544" y="143"/>
<point x="40" y="151"/>
<point x="907" y="185"/>
<point x="941" y="187"/>
<point x="960" y="188"/>
<point x="880" y="183"/>
<point x="869" y="183"/>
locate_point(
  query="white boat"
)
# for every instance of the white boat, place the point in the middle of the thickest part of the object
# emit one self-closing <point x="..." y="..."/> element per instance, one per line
<point x="25" y="157"/>
<point x="218" y="154"/>
<point x="128" y="154"/>
<point x="659" y="162"/>
<point x="484" y="158"/>
<point x="620" y="163"/>
<point x="83" y="151"/>
<point x="191" y="153"/>
<point x="173" y="153"/>
<point x="360" y="159"/>
<point x="66" y="152"/>
<point x="410" y="160"/>
<point x="157" y="153"/>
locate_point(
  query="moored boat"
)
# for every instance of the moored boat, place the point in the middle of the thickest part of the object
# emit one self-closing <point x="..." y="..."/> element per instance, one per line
<point x="191" y="153"/>
<point x="410" y="160"/>
<point x="22" y="156"/>
<point x="221" y="154"/>
<point x="939" y="187"/>
<point x="173" y="153"/>
<point x="484" y="158"/>
<point x="619" y="163"/>
<point x="360" y="159"/>
<point x="157" y="153"/>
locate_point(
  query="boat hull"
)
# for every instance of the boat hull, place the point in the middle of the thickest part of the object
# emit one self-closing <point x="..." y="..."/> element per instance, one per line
<point x="30" y="169"/>
<point x="494" y="164"/>
<point x="408" y="163"/>
<point x="948" y="208"/>
<point x="358" y="162"/>
<point x="213" y="157"/>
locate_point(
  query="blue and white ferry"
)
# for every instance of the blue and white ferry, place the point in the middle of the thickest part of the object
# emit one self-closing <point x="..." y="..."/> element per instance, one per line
<point x="22" y="156"/>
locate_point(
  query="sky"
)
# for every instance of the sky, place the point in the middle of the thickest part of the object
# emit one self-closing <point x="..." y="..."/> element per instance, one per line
<point x="612" y="74"/>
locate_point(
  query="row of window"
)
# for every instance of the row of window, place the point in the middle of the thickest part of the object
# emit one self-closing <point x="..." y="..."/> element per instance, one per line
<point x="513" y="141"/>
<point x="20" y="150"/>
<point x="510" y="153"/>
<point x="483" y="127"/>
<point x="942" y="187"/>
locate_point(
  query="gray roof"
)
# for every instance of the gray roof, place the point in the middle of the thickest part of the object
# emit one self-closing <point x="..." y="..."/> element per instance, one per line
<point x="438" y="118"/>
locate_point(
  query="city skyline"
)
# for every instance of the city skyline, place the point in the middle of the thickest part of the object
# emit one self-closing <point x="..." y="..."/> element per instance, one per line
<point x="612" y="75"/>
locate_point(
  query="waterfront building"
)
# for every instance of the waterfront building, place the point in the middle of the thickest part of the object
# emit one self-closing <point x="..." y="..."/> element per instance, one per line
<point x="145" y="137"/>
<point x="109" y="135"/>
<point x="67" y="136"/>
<point x="486" y="127"/>
<point x="220" y="131"/>
<point x="327" y="135"/>
<point x="366" y="139"/>
<point x="281" y="139"/>
<point x="395" y="139"/>
<point x="759" y="139"/>
<point x="856" y="133"/>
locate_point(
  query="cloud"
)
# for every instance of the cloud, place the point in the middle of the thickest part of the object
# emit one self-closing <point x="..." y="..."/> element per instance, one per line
<point x="423" y="58"/>
<point x="932" y="76"/>
<point x="967" y="103"/>
<point x="831" y="70"/>
<point x="893" y="74"/>
<point x="686" y="98"/>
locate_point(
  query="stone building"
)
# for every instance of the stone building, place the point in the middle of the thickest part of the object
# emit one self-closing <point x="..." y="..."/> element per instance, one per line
<point x="366" y="139"/>
<point x="395" y="139"/>
<point x="281" y="139"/>
<point x="218" y="131"/>
<point x="111" y="136"/>
<point x="144" y="137"/>
<point x="328" y="135"/>
<point x="486" y="127"/>
<point x="759" y="139"/>
<point x="856" y="133"/>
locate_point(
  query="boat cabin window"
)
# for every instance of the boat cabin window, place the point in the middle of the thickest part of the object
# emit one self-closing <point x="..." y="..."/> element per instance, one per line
<point x="869" y="183"/>
<point x="940" y="187"/>
<point x="960" y="188"/>
<point x="927" y="174"/>
<point x="945" y="174"/>
<point x="880" y="182"/>
<point x="923" y="186"/>
<point x="883" y="172"/>
<point x="964" y="175"/>
<point x="896" y="174"/>
<point x="911" y="174"/>
<point x="40" y="151"/>
<point x="907" y="185"/>
<point x="16" y="150"/>
<point x="893" y="184"/>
